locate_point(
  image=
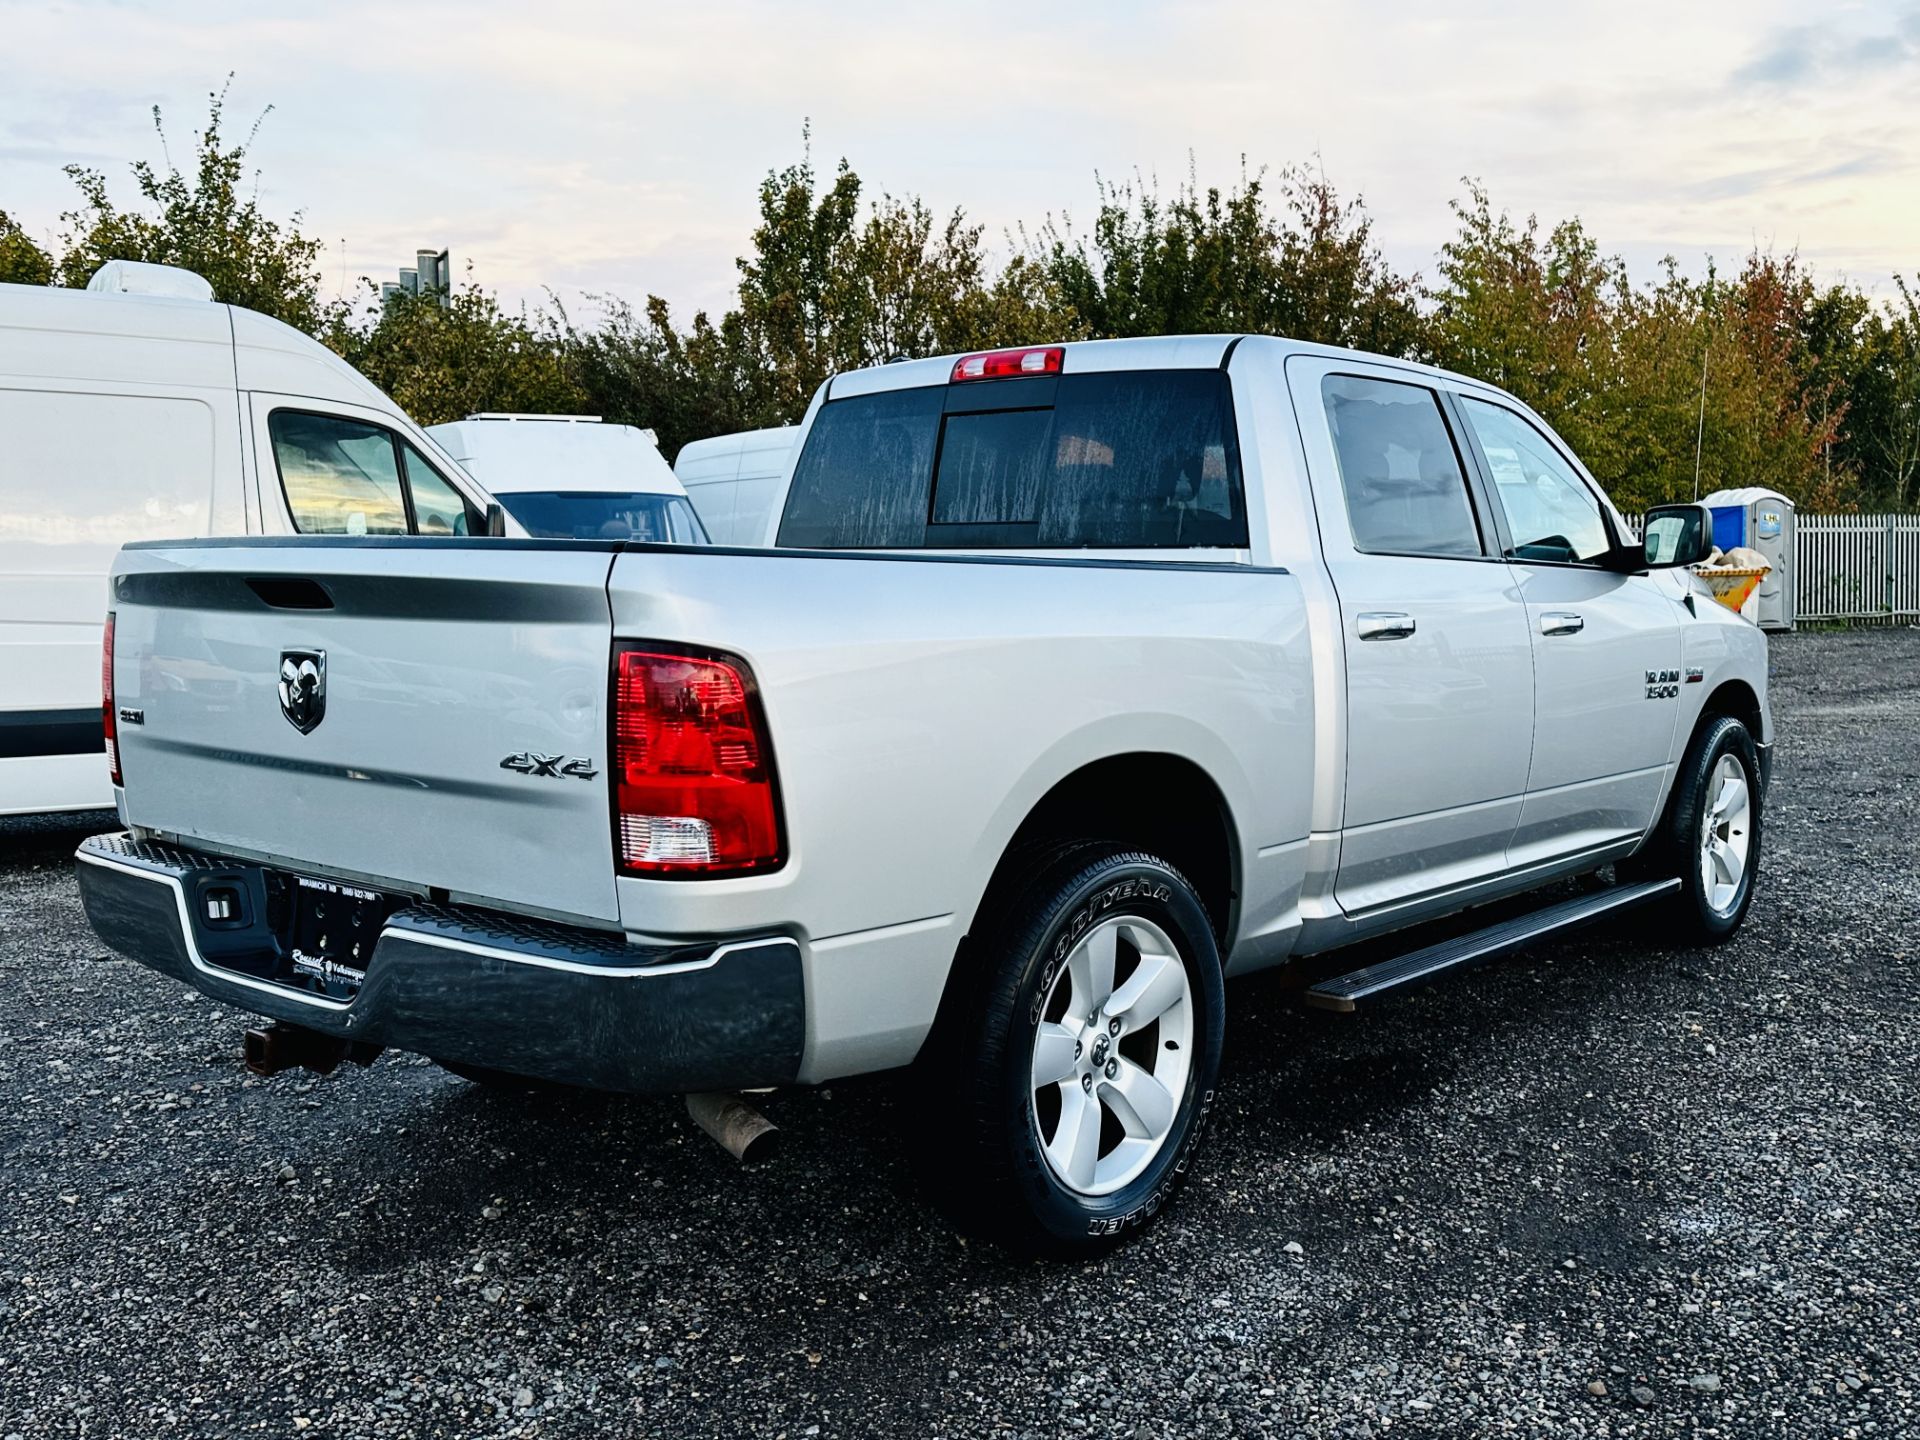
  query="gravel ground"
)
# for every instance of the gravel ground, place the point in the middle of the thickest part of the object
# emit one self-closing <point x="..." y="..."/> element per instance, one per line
<point x="1594" y="1189"/>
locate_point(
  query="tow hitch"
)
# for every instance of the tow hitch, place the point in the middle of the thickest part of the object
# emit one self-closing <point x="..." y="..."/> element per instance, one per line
<point x="281" y="1046"/>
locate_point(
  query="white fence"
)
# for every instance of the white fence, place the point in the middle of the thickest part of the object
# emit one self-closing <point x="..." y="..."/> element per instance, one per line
<point x="1853" y="567"/>
<point x="1857" y="567"/>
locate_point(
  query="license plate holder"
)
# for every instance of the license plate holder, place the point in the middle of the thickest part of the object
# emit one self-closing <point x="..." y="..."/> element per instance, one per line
<point x="331" y="934"/>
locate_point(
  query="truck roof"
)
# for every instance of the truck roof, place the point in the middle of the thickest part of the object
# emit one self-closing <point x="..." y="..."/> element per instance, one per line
<point x="1150" y="352"/>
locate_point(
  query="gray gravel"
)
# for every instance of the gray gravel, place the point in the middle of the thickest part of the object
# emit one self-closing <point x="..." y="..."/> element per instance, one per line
<point x="1595" y="1189"/>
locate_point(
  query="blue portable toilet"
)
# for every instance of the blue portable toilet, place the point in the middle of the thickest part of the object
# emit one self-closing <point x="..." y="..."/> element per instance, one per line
<point x="1762" y="520"/>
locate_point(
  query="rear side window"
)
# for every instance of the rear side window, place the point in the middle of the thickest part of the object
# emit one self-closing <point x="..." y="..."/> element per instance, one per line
<point x="1406" y="492"/>
<point x="1120" y="460"/>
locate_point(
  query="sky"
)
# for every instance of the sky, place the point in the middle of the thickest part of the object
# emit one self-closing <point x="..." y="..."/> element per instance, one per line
<point x="616" y="148"/>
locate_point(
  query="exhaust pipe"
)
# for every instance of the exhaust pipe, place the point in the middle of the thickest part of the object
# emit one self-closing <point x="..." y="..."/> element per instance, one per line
<point x="294" y="1047"/>
<point x="742" y="1131"/>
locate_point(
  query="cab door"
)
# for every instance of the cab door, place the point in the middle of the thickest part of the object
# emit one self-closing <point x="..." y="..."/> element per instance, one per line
<point x="1606" y="645"/>
<point x="1439" y="670"/>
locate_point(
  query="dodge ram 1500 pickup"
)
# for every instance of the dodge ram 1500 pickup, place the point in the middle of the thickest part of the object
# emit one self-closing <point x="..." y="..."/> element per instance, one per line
<point x="1073" y="681"/>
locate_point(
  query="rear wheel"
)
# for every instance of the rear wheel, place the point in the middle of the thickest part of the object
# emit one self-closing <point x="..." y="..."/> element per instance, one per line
<point x="1081" y="1075"/>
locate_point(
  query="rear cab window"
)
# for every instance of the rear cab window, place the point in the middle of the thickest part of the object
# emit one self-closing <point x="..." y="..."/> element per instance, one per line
<point x="1121" y="460"/>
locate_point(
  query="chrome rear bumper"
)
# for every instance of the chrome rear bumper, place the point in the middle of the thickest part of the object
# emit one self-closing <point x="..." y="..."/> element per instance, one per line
<point x="577" y="1006"/>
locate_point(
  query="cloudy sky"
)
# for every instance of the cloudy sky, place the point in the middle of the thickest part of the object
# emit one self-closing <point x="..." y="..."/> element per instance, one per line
<point x="616" y="147"/>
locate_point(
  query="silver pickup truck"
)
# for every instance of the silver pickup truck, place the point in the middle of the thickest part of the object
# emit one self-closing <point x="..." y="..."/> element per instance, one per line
<point x="1074" y="681"/>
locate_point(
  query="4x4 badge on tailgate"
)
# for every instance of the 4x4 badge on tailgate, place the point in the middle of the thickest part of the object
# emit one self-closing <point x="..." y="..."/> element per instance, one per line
<point x="303" y="688"/>
<point x="528" y="762"/>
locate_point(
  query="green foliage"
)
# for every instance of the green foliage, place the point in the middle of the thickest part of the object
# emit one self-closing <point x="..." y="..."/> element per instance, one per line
<point x="1646" y="382"/>
<point x="446" y="356"/>
<point x="1764" y="378"/>
<point x="1221" y="262"/>
<point x="203" y="222"/>
<point x="21" y="261"/>
<point x="822" y="291"/>
<point x="639" y="369"/>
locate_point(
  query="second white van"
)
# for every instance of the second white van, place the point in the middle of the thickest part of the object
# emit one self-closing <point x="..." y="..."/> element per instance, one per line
<point x="574" y="477"/>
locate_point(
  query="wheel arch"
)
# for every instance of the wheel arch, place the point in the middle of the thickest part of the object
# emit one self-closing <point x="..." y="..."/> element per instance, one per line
<point x="1736" y="698"/>
<point x="1155" y="801"/>
<point x="1731" y="697"/>
<point x="1165" y="804"/>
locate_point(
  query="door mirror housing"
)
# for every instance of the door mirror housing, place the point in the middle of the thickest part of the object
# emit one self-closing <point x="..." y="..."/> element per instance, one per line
<point x="1677" y="535"/>
<point x="496" y="518"/>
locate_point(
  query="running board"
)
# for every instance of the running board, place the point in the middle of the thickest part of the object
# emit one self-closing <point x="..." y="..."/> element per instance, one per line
<point x="1403" y="972"/>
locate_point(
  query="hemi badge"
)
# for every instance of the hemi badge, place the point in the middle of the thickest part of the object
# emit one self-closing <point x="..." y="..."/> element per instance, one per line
<point x="1695" y="675"/>
<point x="130" y="716"/>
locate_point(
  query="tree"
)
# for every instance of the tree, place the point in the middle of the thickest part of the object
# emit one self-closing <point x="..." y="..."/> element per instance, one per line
<point x="445" y="356"/>
<point x="1618" y="369"/>
<point x="824" y="291"/>
<point x="202" y="222"/>
<point x="1223" y="261"/>
<point x="638" y="368"/>
<point x="1894" y="445"/>
<point x="22" y="262"/>
<point x="1874" y="359"/>
<point x="1530" y="313"/>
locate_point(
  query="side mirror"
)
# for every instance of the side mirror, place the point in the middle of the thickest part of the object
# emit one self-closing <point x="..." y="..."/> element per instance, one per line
<point x="1677" y="535"/>
<point x="496" y="518"/>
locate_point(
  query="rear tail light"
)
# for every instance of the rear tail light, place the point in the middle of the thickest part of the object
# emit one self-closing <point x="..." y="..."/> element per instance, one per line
<point x="1010" y="364"/>
<point x="106" y="702"/>
<point x="693" y="785"/>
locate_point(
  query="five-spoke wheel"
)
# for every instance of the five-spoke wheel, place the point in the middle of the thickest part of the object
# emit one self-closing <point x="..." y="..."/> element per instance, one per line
<point x="1112" y="1054"/>
<point x="1079" y="1070"/>
<point x="1725" y="835"/>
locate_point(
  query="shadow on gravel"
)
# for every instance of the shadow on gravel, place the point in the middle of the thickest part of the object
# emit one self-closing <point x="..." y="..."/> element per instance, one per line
<point x="582" y="1170"/>
<point x="36" y="839"/>
<point x="579" y="1169"/>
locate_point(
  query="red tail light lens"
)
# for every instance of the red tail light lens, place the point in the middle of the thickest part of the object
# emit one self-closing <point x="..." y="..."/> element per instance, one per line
<point x="693" y="790"/>
<point x="106" y="701"/>
<point x="1008" y="364"/>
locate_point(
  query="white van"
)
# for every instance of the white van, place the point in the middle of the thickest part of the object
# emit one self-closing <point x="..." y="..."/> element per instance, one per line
<point x="733" y="479"/>
<point x="141" y="409"/>
<point x="574" y="477"/>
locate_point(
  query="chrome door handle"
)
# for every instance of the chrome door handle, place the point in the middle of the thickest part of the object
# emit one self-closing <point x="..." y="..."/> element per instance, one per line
<point x="1561" y="622"/>
<point x="1383" y="625"/>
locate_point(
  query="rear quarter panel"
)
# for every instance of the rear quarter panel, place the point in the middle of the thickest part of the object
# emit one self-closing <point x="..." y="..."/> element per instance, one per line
<point x="919" y="708"/>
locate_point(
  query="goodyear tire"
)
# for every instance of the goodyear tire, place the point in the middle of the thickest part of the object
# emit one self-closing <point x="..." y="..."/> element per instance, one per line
<point x="1081" y="1073"/>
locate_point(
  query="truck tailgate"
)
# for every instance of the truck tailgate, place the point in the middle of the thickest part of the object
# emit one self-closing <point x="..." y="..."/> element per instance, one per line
<point x="435" y="661"/>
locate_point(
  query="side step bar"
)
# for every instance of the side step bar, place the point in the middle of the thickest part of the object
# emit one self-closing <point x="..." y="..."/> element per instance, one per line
<point x="1403" y="972"/>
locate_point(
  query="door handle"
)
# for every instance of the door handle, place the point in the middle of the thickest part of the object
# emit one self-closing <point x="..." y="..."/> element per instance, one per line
<point x="1383" y="625"/>
<point x="1561" y="622"/>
